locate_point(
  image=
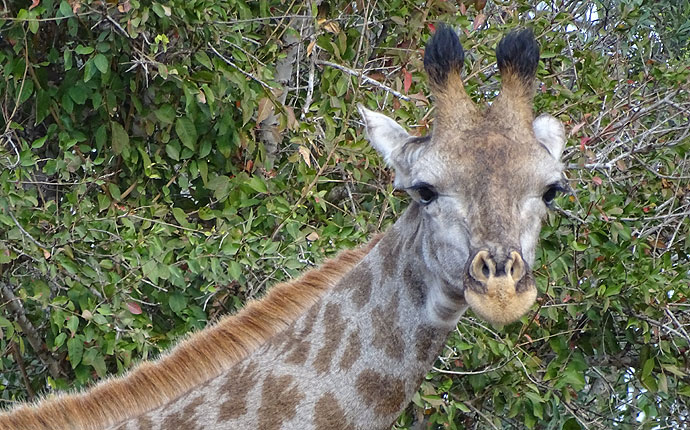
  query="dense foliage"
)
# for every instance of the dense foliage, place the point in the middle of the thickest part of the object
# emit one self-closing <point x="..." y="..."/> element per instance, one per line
<point x="163" y="162"/>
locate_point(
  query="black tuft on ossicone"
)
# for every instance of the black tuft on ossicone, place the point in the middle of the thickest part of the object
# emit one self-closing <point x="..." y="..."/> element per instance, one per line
<point x="518" y="53"/>
<point x="443" y="54"/>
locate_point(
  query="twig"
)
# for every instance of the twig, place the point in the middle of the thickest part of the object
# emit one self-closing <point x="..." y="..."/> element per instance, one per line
<point x="26" y="233"/>
<point x="117" y="25"/>
<point x="481" y="414"/>
<point x="310" y="87"/>
<point x="235" y="66"/>
<point x="14" y="305"/>
<point x="651" y="218"/>
<point x="156" y="221"/>
<point x="22" y="369"/>
<point x="680" y="326"/>
<point x="476" y="372"/>
<point x="365" y="78"/>
<point x="306" y="191"/>
<point x="7" y="137"/>
<point x="263" y="18"/>
<point x="54" y="18"/>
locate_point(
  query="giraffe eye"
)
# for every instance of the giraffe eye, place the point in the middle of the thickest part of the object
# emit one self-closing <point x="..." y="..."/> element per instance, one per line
<point x="426" y="193"/>
<point x="551" y="193"/>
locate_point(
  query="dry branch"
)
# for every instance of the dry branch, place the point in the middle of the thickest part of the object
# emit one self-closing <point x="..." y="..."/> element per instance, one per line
<point x="364" y="78"/>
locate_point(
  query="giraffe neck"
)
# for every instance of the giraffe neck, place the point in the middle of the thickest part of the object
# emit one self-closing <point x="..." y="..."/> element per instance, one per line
<point x="382" y="327"/>
<point x="352" y="361"/>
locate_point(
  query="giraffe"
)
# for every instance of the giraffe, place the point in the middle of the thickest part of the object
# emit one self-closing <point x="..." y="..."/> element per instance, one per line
<point x="346" y="346"/>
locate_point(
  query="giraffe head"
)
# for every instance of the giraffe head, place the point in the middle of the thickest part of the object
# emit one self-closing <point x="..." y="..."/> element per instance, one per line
<point x="482" y="182"/>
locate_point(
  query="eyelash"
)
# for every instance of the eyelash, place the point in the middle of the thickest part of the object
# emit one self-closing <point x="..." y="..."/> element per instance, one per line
<point x="551" y="193"/>
<point x="425" y="192"/>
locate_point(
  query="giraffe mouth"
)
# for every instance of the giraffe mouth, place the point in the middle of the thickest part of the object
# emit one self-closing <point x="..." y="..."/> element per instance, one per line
<point x="501" y="301"/>
<point x="501" y="293"/>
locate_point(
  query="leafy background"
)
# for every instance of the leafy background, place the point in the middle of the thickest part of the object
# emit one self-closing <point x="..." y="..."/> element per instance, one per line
<point x="164" y="162"/>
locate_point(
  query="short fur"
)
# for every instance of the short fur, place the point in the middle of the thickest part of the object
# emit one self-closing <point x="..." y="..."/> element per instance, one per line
<point x="193" y="361"/>
<point x="443" y="61"/>
<point x="443" y="55"/>
<point x="518" y="53"/>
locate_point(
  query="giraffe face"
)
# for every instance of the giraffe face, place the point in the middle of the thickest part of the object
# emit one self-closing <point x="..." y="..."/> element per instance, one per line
<point x="481" y="183"/>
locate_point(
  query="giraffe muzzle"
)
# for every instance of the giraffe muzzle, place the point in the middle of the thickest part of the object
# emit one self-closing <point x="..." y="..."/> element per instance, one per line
<point x="499" y="292"/>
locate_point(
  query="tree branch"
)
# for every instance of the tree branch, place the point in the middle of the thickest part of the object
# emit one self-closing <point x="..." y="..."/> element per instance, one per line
<point x="14" y="305"/>
<point x="364" y="78"/>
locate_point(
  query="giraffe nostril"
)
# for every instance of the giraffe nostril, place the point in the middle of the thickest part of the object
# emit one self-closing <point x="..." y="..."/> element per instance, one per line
<point x="517" y="266"/>
<point x="485" y="269"/>
<point x="481" y="267"/>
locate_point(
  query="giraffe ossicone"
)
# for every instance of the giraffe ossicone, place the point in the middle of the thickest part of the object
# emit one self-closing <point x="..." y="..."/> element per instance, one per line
<point x="346" y="345"/>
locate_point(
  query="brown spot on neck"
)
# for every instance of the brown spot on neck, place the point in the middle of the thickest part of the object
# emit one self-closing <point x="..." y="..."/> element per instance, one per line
<point x="235" y="389"/>
<point x="279" y="400"/>
<point x="414" y="285"/>
<point x="387" y="332"/>
<point x="328" y="415"/>
<point x="426" y="340"/>
<point x="334" y="327"/>
<point x="186" y="418"/>
<point x="352" y="351"/>
<point x="389" y="253"/>
<point x="360" y="282"/>
<point x="384" y="393"/>
<point x="297" y="346"/>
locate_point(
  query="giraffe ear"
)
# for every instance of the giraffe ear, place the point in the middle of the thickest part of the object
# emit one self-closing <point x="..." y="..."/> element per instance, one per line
<point x="384" y="134"/>
<point x="549" y="132"/>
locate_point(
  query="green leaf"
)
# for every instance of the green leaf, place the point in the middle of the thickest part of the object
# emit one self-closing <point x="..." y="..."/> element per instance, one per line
<point x="89" y="70"/>
<point x="38" y="143"/>
<point x="33" y="25"/>
<point x="257" y="184"/>
<point x="78" y="94"/>
<point x="67" y="57"/>
<point x="72" y="324"/>
<point x="150" y="269"/>
<point x="75" y="350"/>
<point x="83" y="50"/>
<point x="220" y="186"/>
<point x="186" y="131"/>
<point x="203" y="59"/>
<point x="173" y="149"/>
<point x="165" y="114"/>
<point x="205" y="148"/>
<point x="648" y="367"/>
<point x="180" y="216"/>
<point x="103" y="202"/>
<point x="114" y="191"/>
<point x="577" y="246"/>
<point x="235" y="270"/>
<point x="66" y="9"/>
<point x="177" y="302"/>
<point x="27" y="91"/>
<point x="684" y="391"/>
<point x="100" y="136"/>
<point x="571" y="424"/>
<point x="7" y="325"/>
<point x="98" y="363"/>
<point x="43" y="103"/>
<point x="101" y="63"/>
<point x="59" y="340"/>
<point x="120" y="139"/>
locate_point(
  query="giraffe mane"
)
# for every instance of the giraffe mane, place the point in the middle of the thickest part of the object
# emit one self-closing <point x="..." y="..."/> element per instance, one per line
<point x="193" y="361"/>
